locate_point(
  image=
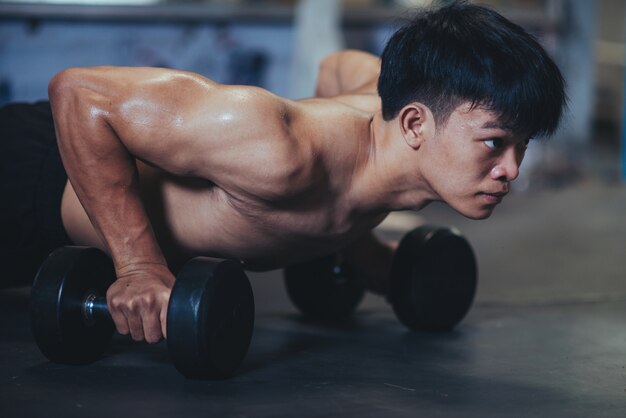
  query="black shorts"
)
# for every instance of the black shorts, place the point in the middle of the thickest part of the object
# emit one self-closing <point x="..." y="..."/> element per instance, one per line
<point x="32" y="180"/>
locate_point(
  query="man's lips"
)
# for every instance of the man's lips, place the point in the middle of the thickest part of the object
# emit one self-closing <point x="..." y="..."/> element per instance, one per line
<point x="493" y="197"/>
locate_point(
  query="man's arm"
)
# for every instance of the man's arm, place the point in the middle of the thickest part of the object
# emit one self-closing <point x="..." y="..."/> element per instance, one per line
<point x="105" y="117"/>
<point x="348" y="71"/>
<point x="372" y="260"/>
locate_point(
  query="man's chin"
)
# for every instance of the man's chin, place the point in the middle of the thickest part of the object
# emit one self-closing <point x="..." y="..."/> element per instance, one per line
<point x="482" y="216"/>
<point x="477" y="214"/>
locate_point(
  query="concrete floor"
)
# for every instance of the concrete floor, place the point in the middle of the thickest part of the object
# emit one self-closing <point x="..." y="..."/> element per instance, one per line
<point x="545" y="338"/>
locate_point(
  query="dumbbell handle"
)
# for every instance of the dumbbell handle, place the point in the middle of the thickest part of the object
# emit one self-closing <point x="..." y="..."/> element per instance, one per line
<point x="95" y="309"/>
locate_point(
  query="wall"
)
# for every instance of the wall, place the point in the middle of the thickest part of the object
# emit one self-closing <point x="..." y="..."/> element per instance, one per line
<point x="255" y="54"/>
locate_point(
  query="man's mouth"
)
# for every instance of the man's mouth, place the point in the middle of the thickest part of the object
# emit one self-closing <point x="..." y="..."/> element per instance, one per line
<point x="493" y="198"/>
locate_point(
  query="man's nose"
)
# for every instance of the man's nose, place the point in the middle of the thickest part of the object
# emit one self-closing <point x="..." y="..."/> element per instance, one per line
<point x="507" y="168"/>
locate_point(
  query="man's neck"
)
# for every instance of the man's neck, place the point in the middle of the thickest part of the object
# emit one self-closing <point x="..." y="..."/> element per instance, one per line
<point x="388" y="177"/>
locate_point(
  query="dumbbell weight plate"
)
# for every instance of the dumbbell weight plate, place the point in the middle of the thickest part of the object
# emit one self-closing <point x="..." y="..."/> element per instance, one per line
<point x="210" y="318"/>
<point x="61" y="285"/>
<point x="433" y="279"/>
<point x="324" y="289"/>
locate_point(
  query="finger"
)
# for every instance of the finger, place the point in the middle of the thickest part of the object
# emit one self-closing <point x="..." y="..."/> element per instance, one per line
<point x="135" y="324"/>
<point x="121" y="324"/>
<point x="152" y="327"/>
<point x="119" y="319"/>
<point x="163" y="317"/>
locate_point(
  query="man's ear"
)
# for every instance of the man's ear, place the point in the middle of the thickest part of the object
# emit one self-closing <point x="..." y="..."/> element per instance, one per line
<point x="417" y="124"/>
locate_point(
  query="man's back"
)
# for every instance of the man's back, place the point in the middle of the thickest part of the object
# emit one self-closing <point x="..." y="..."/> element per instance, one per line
<point x="302" y="212"/>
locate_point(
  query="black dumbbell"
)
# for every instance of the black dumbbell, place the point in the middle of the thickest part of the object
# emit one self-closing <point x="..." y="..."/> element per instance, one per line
<point x="432" y="282"/>
<point x="325" y="289"/>
<point x="210" y="314"/>
<point x="433" y="279"/>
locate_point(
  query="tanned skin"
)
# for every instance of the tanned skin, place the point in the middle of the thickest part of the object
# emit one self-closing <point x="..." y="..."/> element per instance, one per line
<point x="164" y="165"/>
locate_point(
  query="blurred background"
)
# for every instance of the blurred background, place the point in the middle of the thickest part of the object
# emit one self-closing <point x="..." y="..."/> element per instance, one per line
<point x="277" y="44"/>
<point x="560" y="237"/>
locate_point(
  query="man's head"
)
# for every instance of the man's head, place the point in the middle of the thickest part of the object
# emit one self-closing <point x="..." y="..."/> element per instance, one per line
<point x="468" y="53"/>
<point x="479" y="78"/>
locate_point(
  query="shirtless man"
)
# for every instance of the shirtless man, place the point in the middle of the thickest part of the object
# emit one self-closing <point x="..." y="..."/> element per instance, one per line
<point x="164" y="165"/>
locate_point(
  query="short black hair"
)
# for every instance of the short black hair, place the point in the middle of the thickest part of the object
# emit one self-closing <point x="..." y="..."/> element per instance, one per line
<point x="467" y="53"/>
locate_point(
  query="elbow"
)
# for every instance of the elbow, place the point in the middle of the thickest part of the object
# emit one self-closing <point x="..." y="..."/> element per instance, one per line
<point x="328" y="61"/>
<point x="74" y="104"/>
<point x="72" y="92"/>
<point x="63" y="95"/>
<point x="62" y="85"/>
<point x="73" y="87"/>
<point x="60" y="90"/>
<point x="326" y="85"/>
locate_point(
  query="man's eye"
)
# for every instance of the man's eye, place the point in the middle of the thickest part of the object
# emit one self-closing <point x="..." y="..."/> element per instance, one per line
<point x="494" y="143"/>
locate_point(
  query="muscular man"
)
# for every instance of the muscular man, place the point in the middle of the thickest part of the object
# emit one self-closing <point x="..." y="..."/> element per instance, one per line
<point x="164" y="165"/>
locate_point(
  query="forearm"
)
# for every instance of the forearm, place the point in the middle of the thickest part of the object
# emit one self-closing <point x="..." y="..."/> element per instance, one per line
<point x="372" y="260"/>
<point x="104" y="175"/>
<point x="348" y="71"/>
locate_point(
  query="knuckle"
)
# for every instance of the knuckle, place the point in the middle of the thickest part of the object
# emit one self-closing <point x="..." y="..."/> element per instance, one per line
<point x="147" y="301"/>
<point x="135" y="306"/>
<point x="141" y="303"/>
<point x="115" y="303"/>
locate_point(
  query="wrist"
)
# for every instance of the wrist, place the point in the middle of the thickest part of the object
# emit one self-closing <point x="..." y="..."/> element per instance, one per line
<point x="146" y="271"/>
<point x="140" y="266"/>
<point x="140" y="252"/>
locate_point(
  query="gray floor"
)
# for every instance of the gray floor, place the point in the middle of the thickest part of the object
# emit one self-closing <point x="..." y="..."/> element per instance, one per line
<point x="546" y="337"/>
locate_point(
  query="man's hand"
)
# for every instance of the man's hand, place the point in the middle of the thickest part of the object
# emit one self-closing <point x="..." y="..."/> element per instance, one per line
<point x="138" y="301"/>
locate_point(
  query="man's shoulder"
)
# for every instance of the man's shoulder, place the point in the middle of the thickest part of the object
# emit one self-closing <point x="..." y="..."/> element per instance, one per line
<point x="365" y="102"/>
<point x="341" y="106"/>
<point x="253" y="106"/>
<point x="251" y="96"/>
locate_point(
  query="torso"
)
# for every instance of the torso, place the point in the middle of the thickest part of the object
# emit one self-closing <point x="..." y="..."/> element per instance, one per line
<point x="195" y="217"/>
